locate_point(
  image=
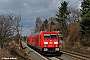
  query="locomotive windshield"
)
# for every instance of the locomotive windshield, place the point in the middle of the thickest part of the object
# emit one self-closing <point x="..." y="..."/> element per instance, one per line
<point x="53" y="36"/>
<point x="46" y="36"/>
<point x="49" y="36"/>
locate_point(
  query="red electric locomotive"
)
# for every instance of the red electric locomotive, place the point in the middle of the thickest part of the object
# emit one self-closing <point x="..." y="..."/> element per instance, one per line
<point x="46" y="42"/>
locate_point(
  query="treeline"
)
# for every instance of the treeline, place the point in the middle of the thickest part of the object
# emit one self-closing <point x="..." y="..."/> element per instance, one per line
<point x="85" y="22"/>
<point x="9" y="27"/>
<point x="64" y="17"/>
<point x="67" y="18"/>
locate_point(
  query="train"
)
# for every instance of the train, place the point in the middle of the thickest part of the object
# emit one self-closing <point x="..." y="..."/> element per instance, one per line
<point x="46" y="42"/>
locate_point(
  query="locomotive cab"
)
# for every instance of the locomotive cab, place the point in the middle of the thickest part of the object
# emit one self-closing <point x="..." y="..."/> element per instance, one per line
<point x="50" y="42"/>
<point x="45" y="42"/>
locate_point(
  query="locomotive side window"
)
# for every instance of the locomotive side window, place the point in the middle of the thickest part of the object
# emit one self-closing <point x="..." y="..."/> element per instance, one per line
<point x="46" y="36"/>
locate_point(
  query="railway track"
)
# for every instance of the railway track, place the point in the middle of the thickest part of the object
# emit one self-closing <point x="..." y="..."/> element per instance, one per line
<point x="24" y="45"/>
<point x="73" y="55"/>
<point x="76" y="55"/>
<point x="68" y="53"/>
<point x="54" y="58"/>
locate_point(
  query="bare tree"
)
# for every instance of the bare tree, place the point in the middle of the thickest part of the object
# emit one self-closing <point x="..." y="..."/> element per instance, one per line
<point x="9" y="27"/>
<point x="38" y="24"/>
<point x="74" y="15"/>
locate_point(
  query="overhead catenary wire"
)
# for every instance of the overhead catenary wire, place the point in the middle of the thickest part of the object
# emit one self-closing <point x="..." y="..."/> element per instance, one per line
<point x="69" y="6"/>
<point x="74" y="3"/>
<point x="44" y="8"/>
<point x="54" y="10"/>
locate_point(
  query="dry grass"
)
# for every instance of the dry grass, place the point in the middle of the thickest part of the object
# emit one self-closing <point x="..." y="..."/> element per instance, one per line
<point x="74" y="33"/>
<point x="72" y="42"/>
<point x="11" y="49"/>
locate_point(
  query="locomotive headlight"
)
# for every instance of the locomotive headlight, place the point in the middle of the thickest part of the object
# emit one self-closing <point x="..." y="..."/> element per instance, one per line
<point x="55" y="42"/>
<point x="45" y="42"/>
<point x="45" y="49"/>
<point x="56" y="49"/>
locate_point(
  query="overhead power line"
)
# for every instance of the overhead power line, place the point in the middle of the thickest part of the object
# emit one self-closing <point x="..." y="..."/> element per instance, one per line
<point x="69" y="6"/>
<point x="74" y="3"/>
<point x="44" y="8"/>
<point x="55" y="10"/>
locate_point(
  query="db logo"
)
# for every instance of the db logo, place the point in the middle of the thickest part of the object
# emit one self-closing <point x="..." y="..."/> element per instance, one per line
<point x="50" y="42"/>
